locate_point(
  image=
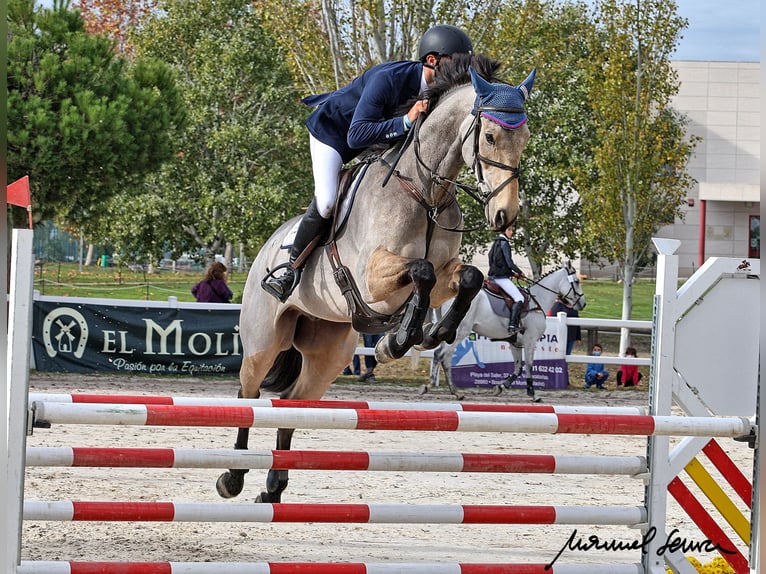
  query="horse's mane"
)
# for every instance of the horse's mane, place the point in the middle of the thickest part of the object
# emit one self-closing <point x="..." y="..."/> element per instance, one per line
<point x="453" y="72"/>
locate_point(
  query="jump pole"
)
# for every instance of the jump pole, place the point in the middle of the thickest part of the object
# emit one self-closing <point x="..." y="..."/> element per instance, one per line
<point x="398" y="420"/>
<point x="319" y="568"/>
<point x="333" y="460"/>
<point x="79" y="398"/>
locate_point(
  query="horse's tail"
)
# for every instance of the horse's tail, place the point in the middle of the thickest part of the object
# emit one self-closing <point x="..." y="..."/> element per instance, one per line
<point x="284" y="371"/>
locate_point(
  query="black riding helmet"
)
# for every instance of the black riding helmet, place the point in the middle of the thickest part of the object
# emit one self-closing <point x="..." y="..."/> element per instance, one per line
<point x="444" y="40"/>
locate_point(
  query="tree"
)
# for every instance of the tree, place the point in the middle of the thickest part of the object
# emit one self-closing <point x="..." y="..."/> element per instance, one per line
<point x="82" y="123"/>
<point x="329" y="42"/>
<point x="551" y="37"/>
<point x="241" y="167"/>
<point x="117" y="19"/>
<point x="641" y="150"/>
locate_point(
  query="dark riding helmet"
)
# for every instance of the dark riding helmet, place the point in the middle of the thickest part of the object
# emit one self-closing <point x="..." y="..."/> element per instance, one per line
<point x="444" y="40"/>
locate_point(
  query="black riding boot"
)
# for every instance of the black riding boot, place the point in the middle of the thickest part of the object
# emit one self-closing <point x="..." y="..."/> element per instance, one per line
<point x="513" y="326"/>
<point x="312" y="226"/>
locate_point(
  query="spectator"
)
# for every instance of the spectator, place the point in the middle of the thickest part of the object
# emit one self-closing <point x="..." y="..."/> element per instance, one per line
<point x="628" y="375"/>
<point x="595" y="373"/>
<point x="213" y="288"/>
<point x="574" y="333"/>
<point x="369" y="360"/>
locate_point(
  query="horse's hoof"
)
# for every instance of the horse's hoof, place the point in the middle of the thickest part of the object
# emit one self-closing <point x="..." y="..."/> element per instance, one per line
<point x="423" y="390"/>
<point x="268" y="497"/>
<point x="229" y="485"/>
<point x="382" y="351"/>
<point x="498" y="390"/>
<point x="459" y="396"/>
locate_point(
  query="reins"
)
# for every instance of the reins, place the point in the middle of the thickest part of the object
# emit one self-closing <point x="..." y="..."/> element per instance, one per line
<point x="555" y="292"/>
<point x="473" y="191"/>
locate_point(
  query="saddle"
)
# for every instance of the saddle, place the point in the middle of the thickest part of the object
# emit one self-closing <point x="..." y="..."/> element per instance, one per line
<point x="494" y="289"/>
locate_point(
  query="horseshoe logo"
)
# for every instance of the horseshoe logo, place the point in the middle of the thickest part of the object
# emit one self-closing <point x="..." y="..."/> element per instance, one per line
<point x="63" y="321"/>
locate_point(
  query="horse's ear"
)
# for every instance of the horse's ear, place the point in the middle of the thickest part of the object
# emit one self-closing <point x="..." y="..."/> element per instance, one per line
<point x="481" y="86"/>
<point x="526" y="85"/>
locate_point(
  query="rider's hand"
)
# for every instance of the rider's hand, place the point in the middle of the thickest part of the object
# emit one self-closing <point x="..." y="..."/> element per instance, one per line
<point x="419" y="107"/>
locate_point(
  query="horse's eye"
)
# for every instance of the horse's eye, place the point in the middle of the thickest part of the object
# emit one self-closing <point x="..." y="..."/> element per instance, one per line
<point x="490" y="139"/>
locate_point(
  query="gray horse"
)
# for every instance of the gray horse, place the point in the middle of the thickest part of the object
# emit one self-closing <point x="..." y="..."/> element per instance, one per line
<point x="392" y="255"/>
<point x="489" y="316"/>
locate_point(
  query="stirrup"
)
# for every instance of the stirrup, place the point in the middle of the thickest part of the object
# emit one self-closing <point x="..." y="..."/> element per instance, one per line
<point x="276" y="285"/>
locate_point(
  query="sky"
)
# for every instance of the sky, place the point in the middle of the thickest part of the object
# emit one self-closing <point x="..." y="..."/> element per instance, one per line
<point x="720" y="30"/>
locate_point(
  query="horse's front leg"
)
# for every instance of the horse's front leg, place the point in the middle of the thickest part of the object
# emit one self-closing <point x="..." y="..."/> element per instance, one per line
<point x="388" y="273"/>
<point x="463" y="282"/>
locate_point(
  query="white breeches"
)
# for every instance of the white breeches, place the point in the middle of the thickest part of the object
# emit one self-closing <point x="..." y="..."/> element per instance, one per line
<point x="509" y="287"/>
<point x="326" y="164"/>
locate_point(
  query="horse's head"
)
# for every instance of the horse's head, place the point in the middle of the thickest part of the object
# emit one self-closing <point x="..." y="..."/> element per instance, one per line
<point x="500" y="134"/>
<point x="570" y="291"/>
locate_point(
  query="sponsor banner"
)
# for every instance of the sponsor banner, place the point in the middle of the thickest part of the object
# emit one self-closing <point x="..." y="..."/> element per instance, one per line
<point x="158" y="340"/>
<point x="480" y="362"/>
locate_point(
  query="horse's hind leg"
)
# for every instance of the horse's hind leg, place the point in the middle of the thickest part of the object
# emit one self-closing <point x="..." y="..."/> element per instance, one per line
<point x="319" y="368"/>
<point x="468" y="281"/>
<point x="231" y="482"/>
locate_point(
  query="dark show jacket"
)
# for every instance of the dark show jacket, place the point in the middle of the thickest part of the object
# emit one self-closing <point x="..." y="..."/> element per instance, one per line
<point x="350" y="119"/>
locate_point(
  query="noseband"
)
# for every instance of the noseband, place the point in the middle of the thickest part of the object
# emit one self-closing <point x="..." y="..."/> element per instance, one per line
<point x="484" y="197"/>
<point x="571" y="276"/>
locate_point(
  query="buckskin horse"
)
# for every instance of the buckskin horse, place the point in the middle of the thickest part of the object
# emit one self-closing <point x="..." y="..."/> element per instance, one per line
<point x="391" y="256"/>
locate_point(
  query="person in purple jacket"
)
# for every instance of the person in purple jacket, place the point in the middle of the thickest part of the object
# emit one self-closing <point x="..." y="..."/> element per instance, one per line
<point x="355" y="117"/>
<point x="213" y="288"/>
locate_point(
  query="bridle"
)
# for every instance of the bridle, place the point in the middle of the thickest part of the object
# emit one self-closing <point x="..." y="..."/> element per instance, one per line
<point x="474" y="191"/>
<point x="436" y="180"/>
<point x="484" y="197"/>
<point x="572" y="292"/>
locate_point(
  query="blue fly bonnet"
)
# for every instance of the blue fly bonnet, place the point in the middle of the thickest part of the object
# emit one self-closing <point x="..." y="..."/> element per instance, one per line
<point x="502" y="103"/>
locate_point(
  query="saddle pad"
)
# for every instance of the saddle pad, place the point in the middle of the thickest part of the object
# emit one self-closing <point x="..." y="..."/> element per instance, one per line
<point x="497" y="303"/>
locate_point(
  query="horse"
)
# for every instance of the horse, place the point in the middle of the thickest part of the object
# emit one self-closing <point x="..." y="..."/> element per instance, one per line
<point x="489" y="316"/>
<point x="391" y="256"/>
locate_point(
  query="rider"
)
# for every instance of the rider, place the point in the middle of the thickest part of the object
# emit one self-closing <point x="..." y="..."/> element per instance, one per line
<point x="501" y="268"/>
<point x="353" y="118"/>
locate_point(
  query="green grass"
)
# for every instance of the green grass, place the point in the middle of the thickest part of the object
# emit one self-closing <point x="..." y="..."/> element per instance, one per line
<point x="604" y="296"/>
<point x="65" y="280"/>
<point x="604" y="299"/>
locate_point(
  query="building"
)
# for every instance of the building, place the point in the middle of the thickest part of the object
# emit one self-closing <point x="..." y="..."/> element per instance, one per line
<point x="722" y="102"/>
<point x="721" y="217"/>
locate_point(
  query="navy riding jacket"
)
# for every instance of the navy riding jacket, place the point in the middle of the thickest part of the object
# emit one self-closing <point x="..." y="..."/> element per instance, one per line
<point x="500" y="259"/>
<point x="361" y="113"/>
